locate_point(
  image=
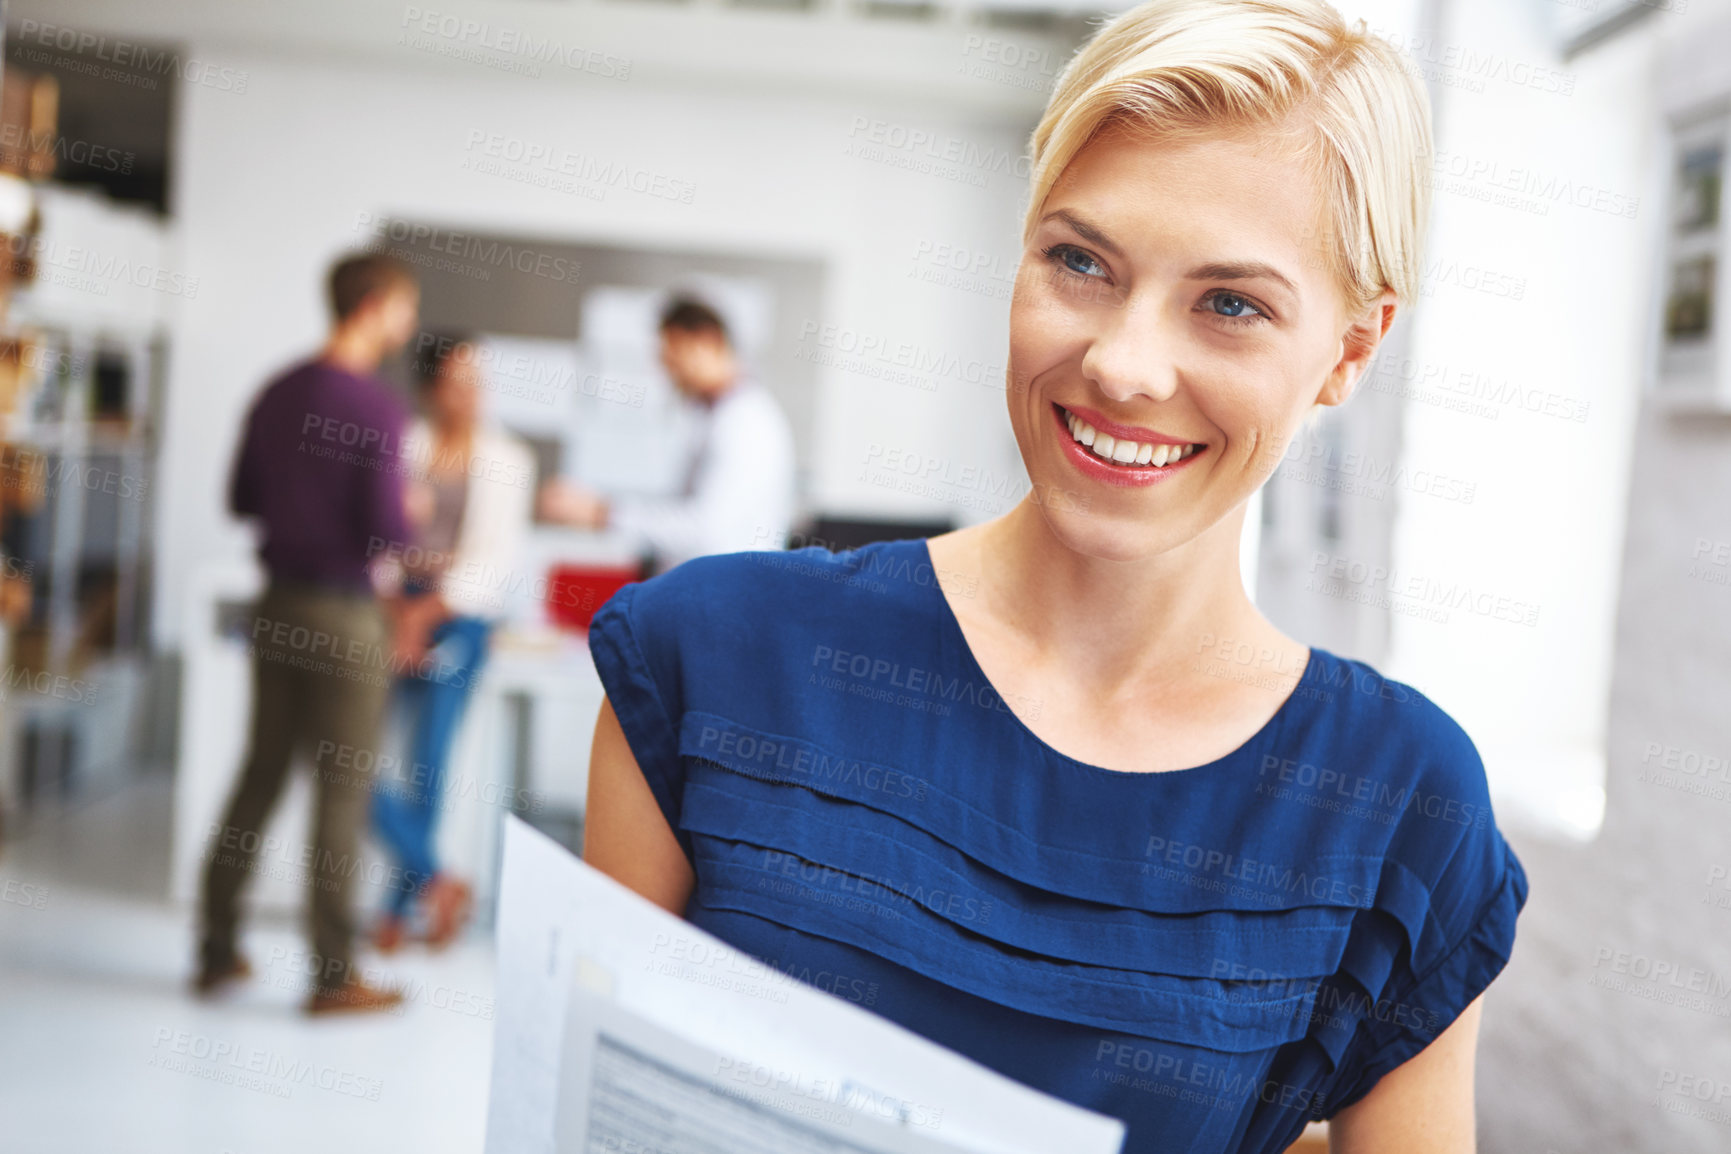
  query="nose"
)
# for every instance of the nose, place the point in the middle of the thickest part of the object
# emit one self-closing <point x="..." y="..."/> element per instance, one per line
<point x="1131" y="353"/>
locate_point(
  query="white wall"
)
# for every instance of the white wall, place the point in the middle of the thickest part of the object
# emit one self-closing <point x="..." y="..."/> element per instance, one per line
<point x="1561" y="317"/>
<point x="1585" y="1048"/>
<point x="270" y="184"/>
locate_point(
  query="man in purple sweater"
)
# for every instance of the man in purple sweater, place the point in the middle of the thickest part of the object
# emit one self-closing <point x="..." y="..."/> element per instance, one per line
<point x="321" y="469"/>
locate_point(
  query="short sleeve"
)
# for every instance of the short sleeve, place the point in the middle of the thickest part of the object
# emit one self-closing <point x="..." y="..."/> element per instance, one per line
<point x="636" y="653"/>
<point x="1471" y="904"/>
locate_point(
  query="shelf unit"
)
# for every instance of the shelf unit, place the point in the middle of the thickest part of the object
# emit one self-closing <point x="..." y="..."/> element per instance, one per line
<point x="85" y="424"/>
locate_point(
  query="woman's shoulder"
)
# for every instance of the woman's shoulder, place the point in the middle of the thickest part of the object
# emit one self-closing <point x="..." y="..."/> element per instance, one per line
<point x="498" y="441"/>
<point x="417" y="433"/>
<point x="1369" y="718"/>
<point x="758" y="607"/>
<point x="1387" y="754"/>
<point x="1391" y="771"/>
<point x="812" y="578"/>
<point x="739" y="637"/>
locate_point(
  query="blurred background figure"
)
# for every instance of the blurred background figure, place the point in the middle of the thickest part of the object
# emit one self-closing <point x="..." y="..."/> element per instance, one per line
<point x="316" y="469"/>
<point x="470" y="498"/>
<point x="738" y="489"/>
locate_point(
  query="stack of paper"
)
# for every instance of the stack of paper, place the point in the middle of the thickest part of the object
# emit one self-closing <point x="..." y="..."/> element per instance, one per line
<point x="626" y="1030"/>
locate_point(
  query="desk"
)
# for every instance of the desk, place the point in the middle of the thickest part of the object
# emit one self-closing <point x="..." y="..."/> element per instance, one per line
<point x="524" y="747"/>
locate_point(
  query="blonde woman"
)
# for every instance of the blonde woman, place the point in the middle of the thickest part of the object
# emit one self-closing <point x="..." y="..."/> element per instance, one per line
<point x="1049" y="789"/>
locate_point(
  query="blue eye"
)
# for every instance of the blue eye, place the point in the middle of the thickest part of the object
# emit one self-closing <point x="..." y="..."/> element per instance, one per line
<point x="1072" y="259"/>
<point x="1230" y="306"/>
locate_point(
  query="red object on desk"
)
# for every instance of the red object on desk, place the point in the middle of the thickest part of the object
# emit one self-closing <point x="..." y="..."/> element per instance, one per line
<point x="575" y="592"/>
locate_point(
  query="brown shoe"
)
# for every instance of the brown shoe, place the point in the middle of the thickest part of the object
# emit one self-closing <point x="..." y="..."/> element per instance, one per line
<point x="354" y="997"/>
<point x="449" y="902"/>
<point x="211" y="979"/>
<point x="388" y="935"/>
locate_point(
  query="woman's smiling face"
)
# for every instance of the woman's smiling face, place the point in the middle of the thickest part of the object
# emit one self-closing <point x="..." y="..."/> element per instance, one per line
<point x="1172" y="304"/>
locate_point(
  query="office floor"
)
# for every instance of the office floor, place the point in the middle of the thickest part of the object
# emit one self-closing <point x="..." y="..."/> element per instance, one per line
<point x="102" y="1048"/>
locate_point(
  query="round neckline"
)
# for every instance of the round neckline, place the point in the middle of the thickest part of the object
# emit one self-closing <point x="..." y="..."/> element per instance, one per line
<point x="951" y="623"/>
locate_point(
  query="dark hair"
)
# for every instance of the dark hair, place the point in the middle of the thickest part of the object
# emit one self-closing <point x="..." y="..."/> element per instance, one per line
<point x="690" y="315"/>
<point x="433" y="347"/>
<point x="357" y="277"/>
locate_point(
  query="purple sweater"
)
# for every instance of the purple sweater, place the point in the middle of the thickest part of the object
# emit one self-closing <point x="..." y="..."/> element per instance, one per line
<point x="321" y="466"/>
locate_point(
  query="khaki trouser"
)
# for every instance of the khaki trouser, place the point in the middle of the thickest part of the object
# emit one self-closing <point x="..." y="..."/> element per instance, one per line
<point x="321" y="678"/>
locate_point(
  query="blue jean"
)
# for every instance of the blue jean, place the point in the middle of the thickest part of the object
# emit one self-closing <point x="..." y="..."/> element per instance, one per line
<point x="430" y="702"/>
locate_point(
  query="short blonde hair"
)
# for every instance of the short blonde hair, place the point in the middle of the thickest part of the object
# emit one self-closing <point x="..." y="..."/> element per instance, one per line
<point x="1191" y="68"/>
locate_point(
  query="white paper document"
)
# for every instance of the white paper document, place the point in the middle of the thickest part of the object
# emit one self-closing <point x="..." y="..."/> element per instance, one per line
<point x="623" y="1029"/>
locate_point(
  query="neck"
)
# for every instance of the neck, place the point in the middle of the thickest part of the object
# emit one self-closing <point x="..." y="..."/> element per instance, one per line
<point x="1141" y="621"/>
<point x="458" y="433"/>
<point x="709" y="398"/>
<point x="352" y="349"/>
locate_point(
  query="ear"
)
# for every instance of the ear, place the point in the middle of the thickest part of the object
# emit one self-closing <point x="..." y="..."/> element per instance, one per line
<point x="372" y="307"/>
<point x="1358" y="345"/>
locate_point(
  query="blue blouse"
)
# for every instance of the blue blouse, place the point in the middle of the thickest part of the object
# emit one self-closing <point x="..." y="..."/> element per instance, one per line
<point x="1214" y="955"/>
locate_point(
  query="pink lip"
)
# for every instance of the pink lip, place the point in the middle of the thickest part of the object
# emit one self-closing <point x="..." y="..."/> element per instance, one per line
<point x="1123" y="432"/>
<point x="1122" y="476"/>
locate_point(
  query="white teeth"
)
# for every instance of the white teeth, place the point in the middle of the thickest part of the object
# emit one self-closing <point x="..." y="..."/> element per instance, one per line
<point x="1124" y="452"/>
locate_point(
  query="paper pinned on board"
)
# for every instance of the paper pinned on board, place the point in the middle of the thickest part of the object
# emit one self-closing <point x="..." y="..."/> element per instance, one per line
<point x="624" y="1029"/>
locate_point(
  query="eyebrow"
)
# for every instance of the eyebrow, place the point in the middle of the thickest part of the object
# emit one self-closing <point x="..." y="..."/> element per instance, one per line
<point x="1083" y="229"/>
<point x="1243" y="270"/>
<point x="1219" y="270"/>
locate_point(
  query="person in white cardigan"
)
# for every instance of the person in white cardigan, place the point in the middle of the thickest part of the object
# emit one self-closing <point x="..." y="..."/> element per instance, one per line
<point x="471" y="497"/>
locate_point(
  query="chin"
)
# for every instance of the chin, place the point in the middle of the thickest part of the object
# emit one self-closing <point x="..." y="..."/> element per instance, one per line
<point x="1108" y="538"/>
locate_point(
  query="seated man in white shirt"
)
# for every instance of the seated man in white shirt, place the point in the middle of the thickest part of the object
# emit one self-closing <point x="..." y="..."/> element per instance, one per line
<point x="739" y="484"/>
